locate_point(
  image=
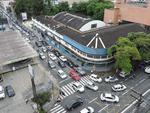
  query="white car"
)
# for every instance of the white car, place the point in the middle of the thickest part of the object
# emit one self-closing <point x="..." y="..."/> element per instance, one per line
<point x="119" y="87"/>
<point x="91" y="85"/>
<point x="147" y="70"/>
<point x="78" y="87"/>
<point x="44" y="49"/>
<point x="89" y="109"/>
<point x="52" y="56"/>
<point x="2" y="92"/>
<point x="63" y="58"/>
<point x="123" y="74"/>
<point x="42" y="56"/>
<point x="95" y="78"/>
<point x="28" y="40"/>
<point x="111" y="79"/>
<point x="62" y="74"/>
<point x="109" y="97"/>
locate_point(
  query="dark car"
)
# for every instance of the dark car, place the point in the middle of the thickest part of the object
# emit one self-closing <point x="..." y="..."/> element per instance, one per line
<point x="38" y="44"/>
<point x="74" y="104"/>
<point x="10" y="91"/>
<point x="56" y="53"/>
<point x="44" y="43"/>
<point x="70" y="64"/>
<point x="61" y="64"/>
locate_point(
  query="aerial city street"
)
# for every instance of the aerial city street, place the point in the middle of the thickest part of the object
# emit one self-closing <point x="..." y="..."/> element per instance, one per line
<point x="74" y="56"/>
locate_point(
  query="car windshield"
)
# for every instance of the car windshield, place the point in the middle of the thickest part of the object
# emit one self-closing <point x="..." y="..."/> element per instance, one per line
<point x="79" y="86"/>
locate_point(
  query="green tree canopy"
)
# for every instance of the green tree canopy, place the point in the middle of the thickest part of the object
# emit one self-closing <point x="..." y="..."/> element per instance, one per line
<point x="124" y="51"/>
<point x="142" y="42"/>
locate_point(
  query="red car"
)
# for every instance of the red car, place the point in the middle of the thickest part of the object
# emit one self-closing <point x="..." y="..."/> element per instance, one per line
<point x="74" y="75"/>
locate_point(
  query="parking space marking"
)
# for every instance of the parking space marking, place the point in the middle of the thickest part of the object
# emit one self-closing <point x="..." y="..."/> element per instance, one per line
<point x="103" y="108"/>
<point x="93" y="100"/>
<point x="141" y="81"/>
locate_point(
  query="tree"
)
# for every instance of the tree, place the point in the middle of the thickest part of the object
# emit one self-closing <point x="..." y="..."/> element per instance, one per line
<point x="124" y="52"/>
<point x="63" y="6"/>
<point x="142" y="42"/>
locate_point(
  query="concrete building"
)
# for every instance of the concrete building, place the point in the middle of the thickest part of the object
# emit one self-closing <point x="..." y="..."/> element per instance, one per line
<point x="84" y="39"/>
<point x="14" y="51"/>
<point x="137" y="11"/>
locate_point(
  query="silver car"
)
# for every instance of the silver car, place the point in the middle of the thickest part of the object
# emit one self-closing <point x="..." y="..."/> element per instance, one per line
<point x="91" y="85"/>
<point x="111" y="79"/>
<point x="119" y="87"/>
<point x="78" y="87"/>
<point x="109" y="97"/>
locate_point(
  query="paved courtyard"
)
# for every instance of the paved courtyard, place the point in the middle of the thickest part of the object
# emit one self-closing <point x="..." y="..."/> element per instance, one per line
<point x="20" y="80"/>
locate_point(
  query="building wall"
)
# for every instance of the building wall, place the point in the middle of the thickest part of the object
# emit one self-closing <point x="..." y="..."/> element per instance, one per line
<point x="128" y="12"/>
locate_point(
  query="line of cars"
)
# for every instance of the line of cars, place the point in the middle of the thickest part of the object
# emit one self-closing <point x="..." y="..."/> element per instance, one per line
<point x="7" y="90"/>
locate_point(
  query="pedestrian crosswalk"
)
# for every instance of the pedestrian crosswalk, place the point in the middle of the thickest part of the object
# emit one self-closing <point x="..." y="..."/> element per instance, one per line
<point x="68" y="89"/>
<point x="58" y="109"/>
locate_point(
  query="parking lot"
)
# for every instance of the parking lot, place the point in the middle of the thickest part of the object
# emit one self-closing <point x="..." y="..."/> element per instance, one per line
<point x="21" y="83"/>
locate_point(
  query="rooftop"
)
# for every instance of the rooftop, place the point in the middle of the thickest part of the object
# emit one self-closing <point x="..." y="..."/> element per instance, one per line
<point x="14" y="48"/>
<point x="105" y="37"/>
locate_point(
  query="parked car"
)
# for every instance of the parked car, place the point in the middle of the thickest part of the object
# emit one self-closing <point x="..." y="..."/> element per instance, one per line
<point x="78" y="87"/>
<point x="57" y="53"/>
<point x="44" y="43"/>
<point x="42" y="56"/>
<point x="91" y="85"/>
<point x="123" y="74"/>
<point x="74" y="75"/>
<point x="38" y="44"/>
<point x="44" y="49"/>
<point x="61" y="64"/>
<point x="52" y="56"/>
<point x="147" y="69"/>
<point x="63" y="58"/>
<point x="72" y="104"/>
<point x="89" y="109"/>
<point x="111" y="79"/>
<point x="70" y="64"/>
<point x="119" y="87"/>
<point x="95" y="78"/>
<point x="10" y="91"/>
<point x="80" y="71"/>
<point x="2" y="92"/>
<point x="109" y="97"/>
<point x="51" y="64"/>
<point x="62" y="74"/>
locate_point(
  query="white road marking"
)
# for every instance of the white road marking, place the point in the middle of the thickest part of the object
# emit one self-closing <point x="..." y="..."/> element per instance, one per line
<point x="103" y="108"/>
<point x="141" y="81"/>
<point x="93" y="100"/>
<point x="134" y="102"/>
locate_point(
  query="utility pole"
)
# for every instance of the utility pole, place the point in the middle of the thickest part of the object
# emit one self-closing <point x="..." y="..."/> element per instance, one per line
<point x="139" y="100"/>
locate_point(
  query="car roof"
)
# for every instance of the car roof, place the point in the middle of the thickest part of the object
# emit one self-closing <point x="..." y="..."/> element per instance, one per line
<point x="60" y="71"/>
<point x="108" y="95"/>
<point x="94" y="75"/>
<point x="117" y="85"/>
<point x="85" y="110"/>
<point x="77" y="83"/>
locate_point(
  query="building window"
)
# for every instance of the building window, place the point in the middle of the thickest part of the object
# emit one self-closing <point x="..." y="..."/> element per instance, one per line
<point x="93" y="25"/>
